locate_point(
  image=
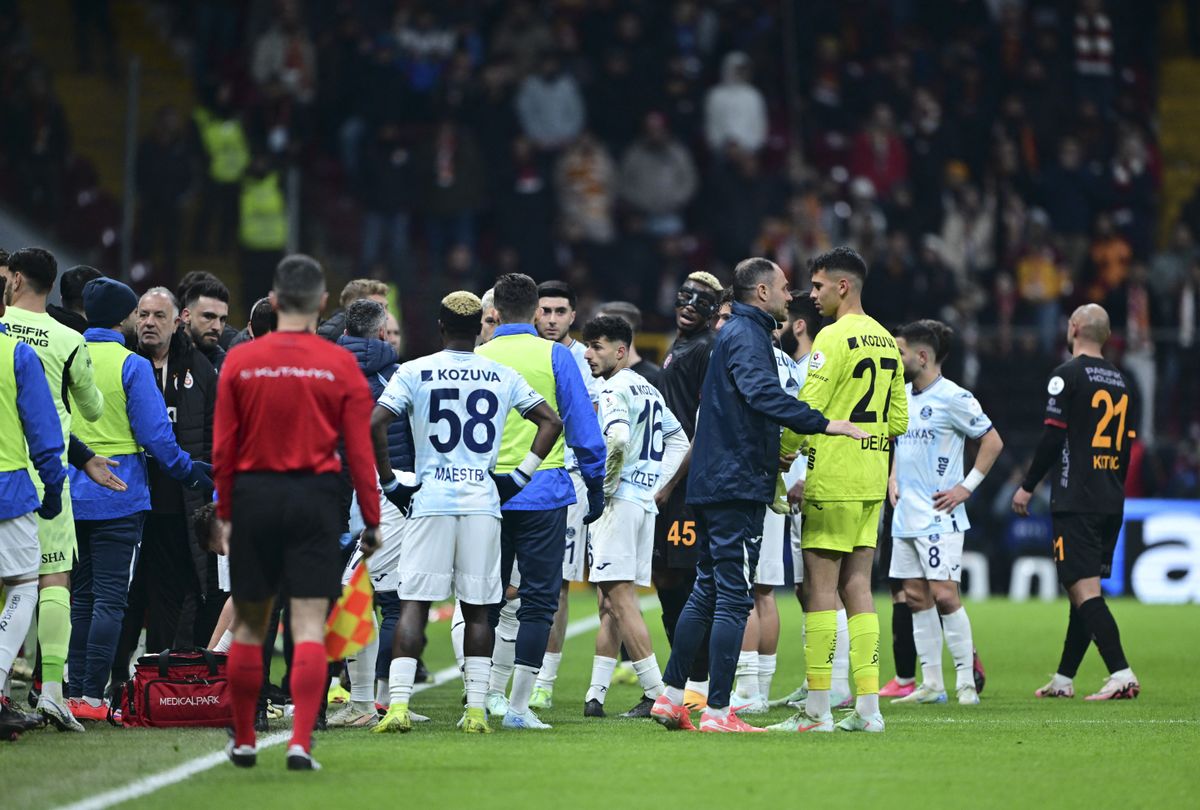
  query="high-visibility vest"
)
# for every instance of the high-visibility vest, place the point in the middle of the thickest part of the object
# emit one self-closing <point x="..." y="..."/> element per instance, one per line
<point x="111" y="434"/>
<point x="530" y="356"/>
<point x="225" y="142"/>
<point x="264" y="223"/>
<point x="13" y="454"/>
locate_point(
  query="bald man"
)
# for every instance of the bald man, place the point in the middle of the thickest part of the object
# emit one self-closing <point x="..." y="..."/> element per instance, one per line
<point x="1087" y="435"/>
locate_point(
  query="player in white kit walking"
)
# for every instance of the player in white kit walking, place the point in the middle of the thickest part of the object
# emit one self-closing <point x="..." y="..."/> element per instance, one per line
<point x="456" y="402"/>
<point x="645" y="444"/>
<point x="928" y="490"/>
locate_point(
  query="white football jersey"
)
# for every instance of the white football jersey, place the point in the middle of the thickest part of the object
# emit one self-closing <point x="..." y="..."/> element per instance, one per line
<point x="799" y="468"/>
<point x="929" y="457"/>
<point x="789" y="376"/>
<point x="577" y="349"/>
<point x="627" y="397"/>
<point x="456" y="403"/>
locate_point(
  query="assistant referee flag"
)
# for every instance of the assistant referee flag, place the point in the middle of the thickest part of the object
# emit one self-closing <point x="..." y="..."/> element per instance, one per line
<point x="351" y="624"/>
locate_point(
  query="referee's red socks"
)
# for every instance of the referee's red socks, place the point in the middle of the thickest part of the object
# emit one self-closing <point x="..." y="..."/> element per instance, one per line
<point x="309" y="679"/>
<point x="245" y="670"/>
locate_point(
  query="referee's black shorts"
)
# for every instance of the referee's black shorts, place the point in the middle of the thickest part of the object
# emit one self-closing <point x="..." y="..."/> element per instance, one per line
<point x="285" y="530"/>
<point x="1084" y="543"/>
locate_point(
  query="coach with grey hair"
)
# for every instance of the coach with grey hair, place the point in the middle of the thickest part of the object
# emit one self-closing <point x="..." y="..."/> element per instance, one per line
<point x="170" y="589"/>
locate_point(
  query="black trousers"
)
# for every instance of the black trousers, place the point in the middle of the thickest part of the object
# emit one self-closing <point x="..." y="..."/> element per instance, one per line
<point x="165" y="581"/>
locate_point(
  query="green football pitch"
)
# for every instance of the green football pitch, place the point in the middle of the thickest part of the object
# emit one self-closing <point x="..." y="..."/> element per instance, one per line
<point x="1010" y="751"/>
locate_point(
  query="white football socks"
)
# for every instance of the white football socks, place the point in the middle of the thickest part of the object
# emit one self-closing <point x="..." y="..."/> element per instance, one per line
<point x="747" y="674"/>
<point x="524" y="678"/>
<point x="458" y="629"/>
<point x="475" y="679"/>
<point x="401" y="676"/>
<point x="766" y="673"/>
<point x="602" y="672"/>
<point x="649" y="676"/>
<point x="15" y="617"/>
<point x="957" y="628"/>
<point x="927" y="638"/>
<point x="362" y="672"/>
<point x="548" y="674"/>
<point x="225" y="642"/>
<point x="841" y="656"/>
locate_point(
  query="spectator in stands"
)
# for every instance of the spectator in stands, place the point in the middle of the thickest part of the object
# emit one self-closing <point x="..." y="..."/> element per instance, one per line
<point x="586" y="181"/>
<point x="285" y="53"/>
<point x="1067" y="190"/>
<point x="40" y="144"/>
<point x="70" y="291"/>
<point x="968" y="234"/>
<point x="734" y="110"/>
<point x="1042" y="281"/>
<point x="1131" y="188"/>
<point x="1110" y="256"/>
<point x="262" y="227"/>
<point x="657" y="179"/>
<point x="525" y="211"/>
<point x="387" y="187"/>
<point x="1094" y="51"/>
<point x="170" y="587"/>
<point x="226" y="154"/>
<point x="355" y="289"/>
<point x="740" y="195"/>
<point x="453" y="181"/>
<point x="522" y="36"/>
<point x="205" y="317"/>
<point x="878" y="153"/>
<point x="164" y="177"/>
<point x="1170" y="267"/>
<point x="617" y="99"/>
<point x="550" y="106"/>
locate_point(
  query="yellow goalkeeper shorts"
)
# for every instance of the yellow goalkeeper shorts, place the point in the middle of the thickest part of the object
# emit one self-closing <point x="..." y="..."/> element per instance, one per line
<point x="840" y="525"/>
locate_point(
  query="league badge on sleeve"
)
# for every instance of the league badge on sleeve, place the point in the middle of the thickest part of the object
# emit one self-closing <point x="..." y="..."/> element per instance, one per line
<point x="816" y="361"/>
<point x="1056" y="385"/>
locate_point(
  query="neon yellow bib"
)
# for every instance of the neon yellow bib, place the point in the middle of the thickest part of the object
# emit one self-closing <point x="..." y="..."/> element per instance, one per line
<point x="13" y="455"/>
<point x="529" y="355"/>
<point x="111" y="434"/>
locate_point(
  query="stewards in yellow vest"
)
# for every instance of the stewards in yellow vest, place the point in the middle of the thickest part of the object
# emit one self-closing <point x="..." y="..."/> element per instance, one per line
<point x="534" y="522"/>
<point x="108" y="525"/>
<point x="224" y="141"/>
<point x="262" y="228"/>
<point x="29" y="431"/>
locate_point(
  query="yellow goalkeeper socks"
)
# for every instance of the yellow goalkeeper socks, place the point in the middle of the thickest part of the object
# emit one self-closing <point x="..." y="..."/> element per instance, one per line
<point x="864" y="652"/>
<point x="820" y="639"/>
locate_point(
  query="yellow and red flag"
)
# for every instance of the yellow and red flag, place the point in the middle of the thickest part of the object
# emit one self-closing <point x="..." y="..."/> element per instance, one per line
<point x="350" y="626"/>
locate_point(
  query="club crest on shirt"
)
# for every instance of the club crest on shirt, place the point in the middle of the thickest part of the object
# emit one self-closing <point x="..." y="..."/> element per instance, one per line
<point x="570" y="532"/>
<point x="667" y="360"/>
<point x="187" y="380"/>
<point x="816" y="361"/>
<point x="926" y="412"/>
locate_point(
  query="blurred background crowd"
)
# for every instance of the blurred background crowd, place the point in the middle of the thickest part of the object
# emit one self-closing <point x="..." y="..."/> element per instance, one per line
<point x="997" y="162"/>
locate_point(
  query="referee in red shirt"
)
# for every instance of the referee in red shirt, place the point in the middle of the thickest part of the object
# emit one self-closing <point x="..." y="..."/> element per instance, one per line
<point x="283" y="403"/>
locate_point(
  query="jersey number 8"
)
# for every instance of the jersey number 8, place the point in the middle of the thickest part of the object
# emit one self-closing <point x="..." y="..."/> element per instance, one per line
<point x="482" y="406"/>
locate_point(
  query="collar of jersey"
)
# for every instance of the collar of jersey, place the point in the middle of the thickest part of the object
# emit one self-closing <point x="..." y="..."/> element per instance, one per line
<point x="506" y="329"/>
<point x="928" y="387"/>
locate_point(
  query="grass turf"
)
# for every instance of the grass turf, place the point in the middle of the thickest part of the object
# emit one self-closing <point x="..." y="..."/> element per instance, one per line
<point x="1011" y="749"/>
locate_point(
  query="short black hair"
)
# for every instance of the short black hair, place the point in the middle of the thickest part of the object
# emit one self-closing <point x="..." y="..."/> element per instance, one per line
<point x="802" y="308"/>
<point x="840" y="260"/>
<point x="928" y="332"/>
<point x="3" y="258"/>
<point x="515" y="297"/>
<point x="611" y="327"/>
<point x="727" y="297"/>
<point x="557" y="289"/>
<point x="364" y="318"/>
<point x="70" y="286"/>
<point x="749" y="273"/>
<point x="203" y="521"/>
<point x="263" y="320"/>
<point x="204" y="288"/>
<point x="299" y="284"/>
<point x="192" y="277"/>
<point x="626" y="311"/>
<point x="37" y="266"/>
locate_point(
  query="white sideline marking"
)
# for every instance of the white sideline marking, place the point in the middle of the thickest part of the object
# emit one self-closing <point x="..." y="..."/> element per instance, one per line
<point x="149" y="784"/>
<point x="1029" y="722"/>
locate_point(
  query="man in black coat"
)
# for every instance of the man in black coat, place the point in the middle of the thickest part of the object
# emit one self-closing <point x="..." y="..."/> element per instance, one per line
<point x="170" y="587"/>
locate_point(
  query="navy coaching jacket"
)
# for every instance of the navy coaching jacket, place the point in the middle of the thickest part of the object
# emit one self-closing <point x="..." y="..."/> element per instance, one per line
<point x="742" y="405"/>
<point x="377" y="359"/>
